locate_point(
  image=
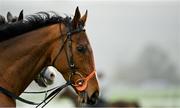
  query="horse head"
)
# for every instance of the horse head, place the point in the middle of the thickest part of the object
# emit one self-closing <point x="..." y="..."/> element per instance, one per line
<point x="74" y="59"/>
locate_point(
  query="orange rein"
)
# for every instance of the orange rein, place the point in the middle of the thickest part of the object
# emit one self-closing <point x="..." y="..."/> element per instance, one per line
<point x="81" y="84"/>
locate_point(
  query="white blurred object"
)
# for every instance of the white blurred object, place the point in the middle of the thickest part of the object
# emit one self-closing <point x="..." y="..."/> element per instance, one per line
<point x="46" y="77"/>
<point x="49" y="74"/>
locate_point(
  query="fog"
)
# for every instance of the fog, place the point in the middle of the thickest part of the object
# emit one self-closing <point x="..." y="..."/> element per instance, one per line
<point x="126" y="36"/>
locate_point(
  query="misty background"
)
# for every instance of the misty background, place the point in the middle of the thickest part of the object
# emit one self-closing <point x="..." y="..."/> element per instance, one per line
<point x="136" y="44"/>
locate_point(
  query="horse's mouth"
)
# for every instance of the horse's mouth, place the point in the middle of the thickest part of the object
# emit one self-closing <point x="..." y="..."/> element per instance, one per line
<point x="83" y="98"/>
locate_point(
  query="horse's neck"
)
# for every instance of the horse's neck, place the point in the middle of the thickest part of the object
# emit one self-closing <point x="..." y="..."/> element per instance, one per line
<point x="23" y="57"/>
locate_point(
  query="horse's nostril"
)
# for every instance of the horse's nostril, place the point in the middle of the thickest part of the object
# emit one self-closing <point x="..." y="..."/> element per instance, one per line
<point x="93" y="99"/>
<point x="52" y="76"/>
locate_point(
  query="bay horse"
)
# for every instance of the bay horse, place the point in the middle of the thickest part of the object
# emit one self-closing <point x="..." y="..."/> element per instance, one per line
<point x="46" y="39"/>
<point x="45" y="77"/>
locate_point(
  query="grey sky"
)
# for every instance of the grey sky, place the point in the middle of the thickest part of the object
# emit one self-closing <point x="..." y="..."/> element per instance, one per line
<point x="118" y="30"/>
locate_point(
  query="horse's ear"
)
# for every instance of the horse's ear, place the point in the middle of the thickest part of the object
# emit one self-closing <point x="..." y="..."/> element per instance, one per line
<point x="2" y="20"/>
<point x="76" y="18"/>
<point x="9" y="17"/>
<point x="20" y="15"/>
<point x="83" y="18"/>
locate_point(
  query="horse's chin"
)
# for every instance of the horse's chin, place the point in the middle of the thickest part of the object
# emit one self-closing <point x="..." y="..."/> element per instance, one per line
<point x="83" y="98"/>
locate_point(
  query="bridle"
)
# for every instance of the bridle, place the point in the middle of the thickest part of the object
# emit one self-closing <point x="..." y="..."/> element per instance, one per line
<point x="80" y="84"/>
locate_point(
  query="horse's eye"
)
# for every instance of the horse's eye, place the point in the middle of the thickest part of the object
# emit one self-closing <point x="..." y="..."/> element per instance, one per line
<point x="81" y="48"/>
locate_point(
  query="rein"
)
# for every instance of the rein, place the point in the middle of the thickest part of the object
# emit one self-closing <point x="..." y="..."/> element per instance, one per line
<point x="48" y="98"/>
<point x="80" y="84"/>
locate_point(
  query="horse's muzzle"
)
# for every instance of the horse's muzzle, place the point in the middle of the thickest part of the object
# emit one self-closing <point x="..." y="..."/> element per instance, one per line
<point x="93" y="99"/>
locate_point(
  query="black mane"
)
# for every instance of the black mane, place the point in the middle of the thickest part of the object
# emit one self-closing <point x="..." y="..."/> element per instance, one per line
<point x="30" y="23"/>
